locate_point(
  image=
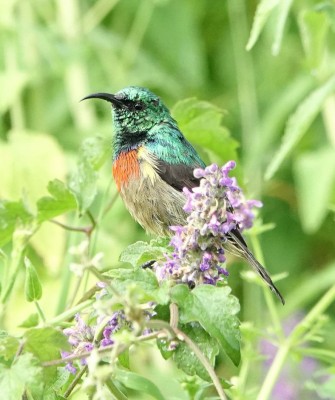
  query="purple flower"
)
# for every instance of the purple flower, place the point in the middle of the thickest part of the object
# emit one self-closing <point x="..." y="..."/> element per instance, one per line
<point x="84" y="337"/>
<point x="215" y="208"/>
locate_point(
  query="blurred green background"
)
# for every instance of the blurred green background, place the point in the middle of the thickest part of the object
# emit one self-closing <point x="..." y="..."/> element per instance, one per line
<point x="53" y="53"/>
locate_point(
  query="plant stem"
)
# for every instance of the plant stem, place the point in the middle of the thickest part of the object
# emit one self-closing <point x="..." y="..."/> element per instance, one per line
<point x="71" y="312"/>
<point x="203" y="359"/>
<point x="102" y="350"/>
<point x="274" y="371"/>
<point x="40" y="311"/>
<point x="296" y="335"/>
<point x="83" y="229"/>
<point x="75" y="381"/>
<point x="174" y="318"/>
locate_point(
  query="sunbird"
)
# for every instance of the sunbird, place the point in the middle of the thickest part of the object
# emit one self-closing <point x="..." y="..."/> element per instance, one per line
<point x="153" y="162"/>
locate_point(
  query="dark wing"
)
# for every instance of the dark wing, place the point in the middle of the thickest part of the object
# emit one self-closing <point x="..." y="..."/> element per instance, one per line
<point x="177" y="175"/>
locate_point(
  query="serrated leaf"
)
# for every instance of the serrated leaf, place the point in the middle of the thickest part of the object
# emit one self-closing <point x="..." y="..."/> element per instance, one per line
<point x="32" y="286"/>
<point x="215" y="309"/>
<point x="201" y="122"/>
<point x="140" y="252"/>
<point x="46" y="344"/>
<point x="315" y="181"/>
<point x="8" y="346"/>
<point x="12" y="213"/>
<point x="62" y="201"/>
<point x="14" y="380"/>
<point x="185" y="357"/>
<point x="137" y="382"/>
<point x="145" y="281"/>
<point x="299" y="122"/>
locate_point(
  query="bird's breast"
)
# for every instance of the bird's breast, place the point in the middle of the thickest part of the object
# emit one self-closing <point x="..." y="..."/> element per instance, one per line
<point x="126" y="167"/>
<point x="152" y="202"/>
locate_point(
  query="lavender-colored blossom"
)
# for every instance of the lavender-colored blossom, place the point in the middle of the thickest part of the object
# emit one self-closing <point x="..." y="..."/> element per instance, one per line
<point x="216" y="207"/>
<point x="84" y="337"/>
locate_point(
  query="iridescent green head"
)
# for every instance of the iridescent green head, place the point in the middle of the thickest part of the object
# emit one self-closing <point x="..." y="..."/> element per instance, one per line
<point x="135" y="110"/>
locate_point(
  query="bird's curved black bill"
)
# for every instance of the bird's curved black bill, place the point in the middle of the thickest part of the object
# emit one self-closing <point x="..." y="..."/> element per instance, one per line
<point x="111" y="98"/>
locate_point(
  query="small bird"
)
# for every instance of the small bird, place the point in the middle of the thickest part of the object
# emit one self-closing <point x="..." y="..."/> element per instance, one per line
<point x="153" y="162"/>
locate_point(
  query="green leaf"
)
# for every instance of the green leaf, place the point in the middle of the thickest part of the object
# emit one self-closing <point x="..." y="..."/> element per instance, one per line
<point x="328" y="8"/>
<point x="313" y="30"/>
<point x="324" y="387"/>
<point x="32" y="287"/>
<point x="264" y="9"/>
<point x="315" y="179"/>
<point x="140" y="252"/>
<point x="8" y="346"/>
<point x="185" y="357"/>
<point x="12" y="213"/>
<point x="83" y="184"/>
<point x="123" y="359"/>
<point x="93" y="153"/>
<point x="31" y="321"/>
<point x="281" y="18"/>
<point x="23" y="373"/>
<point x="137" y="382"/>
<point x="46" y="344"/>
<point x="145" y="281"/>
<point x="201" y="122"/>
<point x="96" y="150"/>
<point x="62" y="201"/>
<point x="299" y="122"/>
<point x="215" y="309"/>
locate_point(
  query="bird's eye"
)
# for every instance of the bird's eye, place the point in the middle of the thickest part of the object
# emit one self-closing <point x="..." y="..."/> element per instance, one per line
<point x="138" y="106"/>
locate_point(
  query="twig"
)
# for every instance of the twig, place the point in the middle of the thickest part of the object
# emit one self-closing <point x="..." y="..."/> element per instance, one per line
<point x="194" y="347"/>
<point x="105" y="349"/>
<point x="110" y="204"/>
<point x="87" y="230"/>
<point x="75" y="381"/>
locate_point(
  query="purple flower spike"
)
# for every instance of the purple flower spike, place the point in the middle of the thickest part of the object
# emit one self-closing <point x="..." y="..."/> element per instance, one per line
<point x="215" y="208"/>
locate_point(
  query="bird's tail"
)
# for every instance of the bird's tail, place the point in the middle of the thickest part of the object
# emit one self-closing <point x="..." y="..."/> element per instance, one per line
<point x="237" y="243"/>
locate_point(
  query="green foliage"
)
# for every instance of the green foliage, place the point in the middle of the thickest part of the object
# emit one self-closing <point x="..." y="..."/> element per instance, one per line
<point x="137" y="382"/>
<point x="12" y="213"/>
<point x="278" y="90"/>
<point x="61" y="201"/>
<point x="144" y="280"/>
<point x="215" y="309"/>
<point x="201" y="122"/>
<point x="186" y="360"/>
<point x="33" y="287"/>
<point x="299" y="122"/>
<point x="315" y="186"/>
<point x="141" y="252"/>
<point x="24" y="374"/>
